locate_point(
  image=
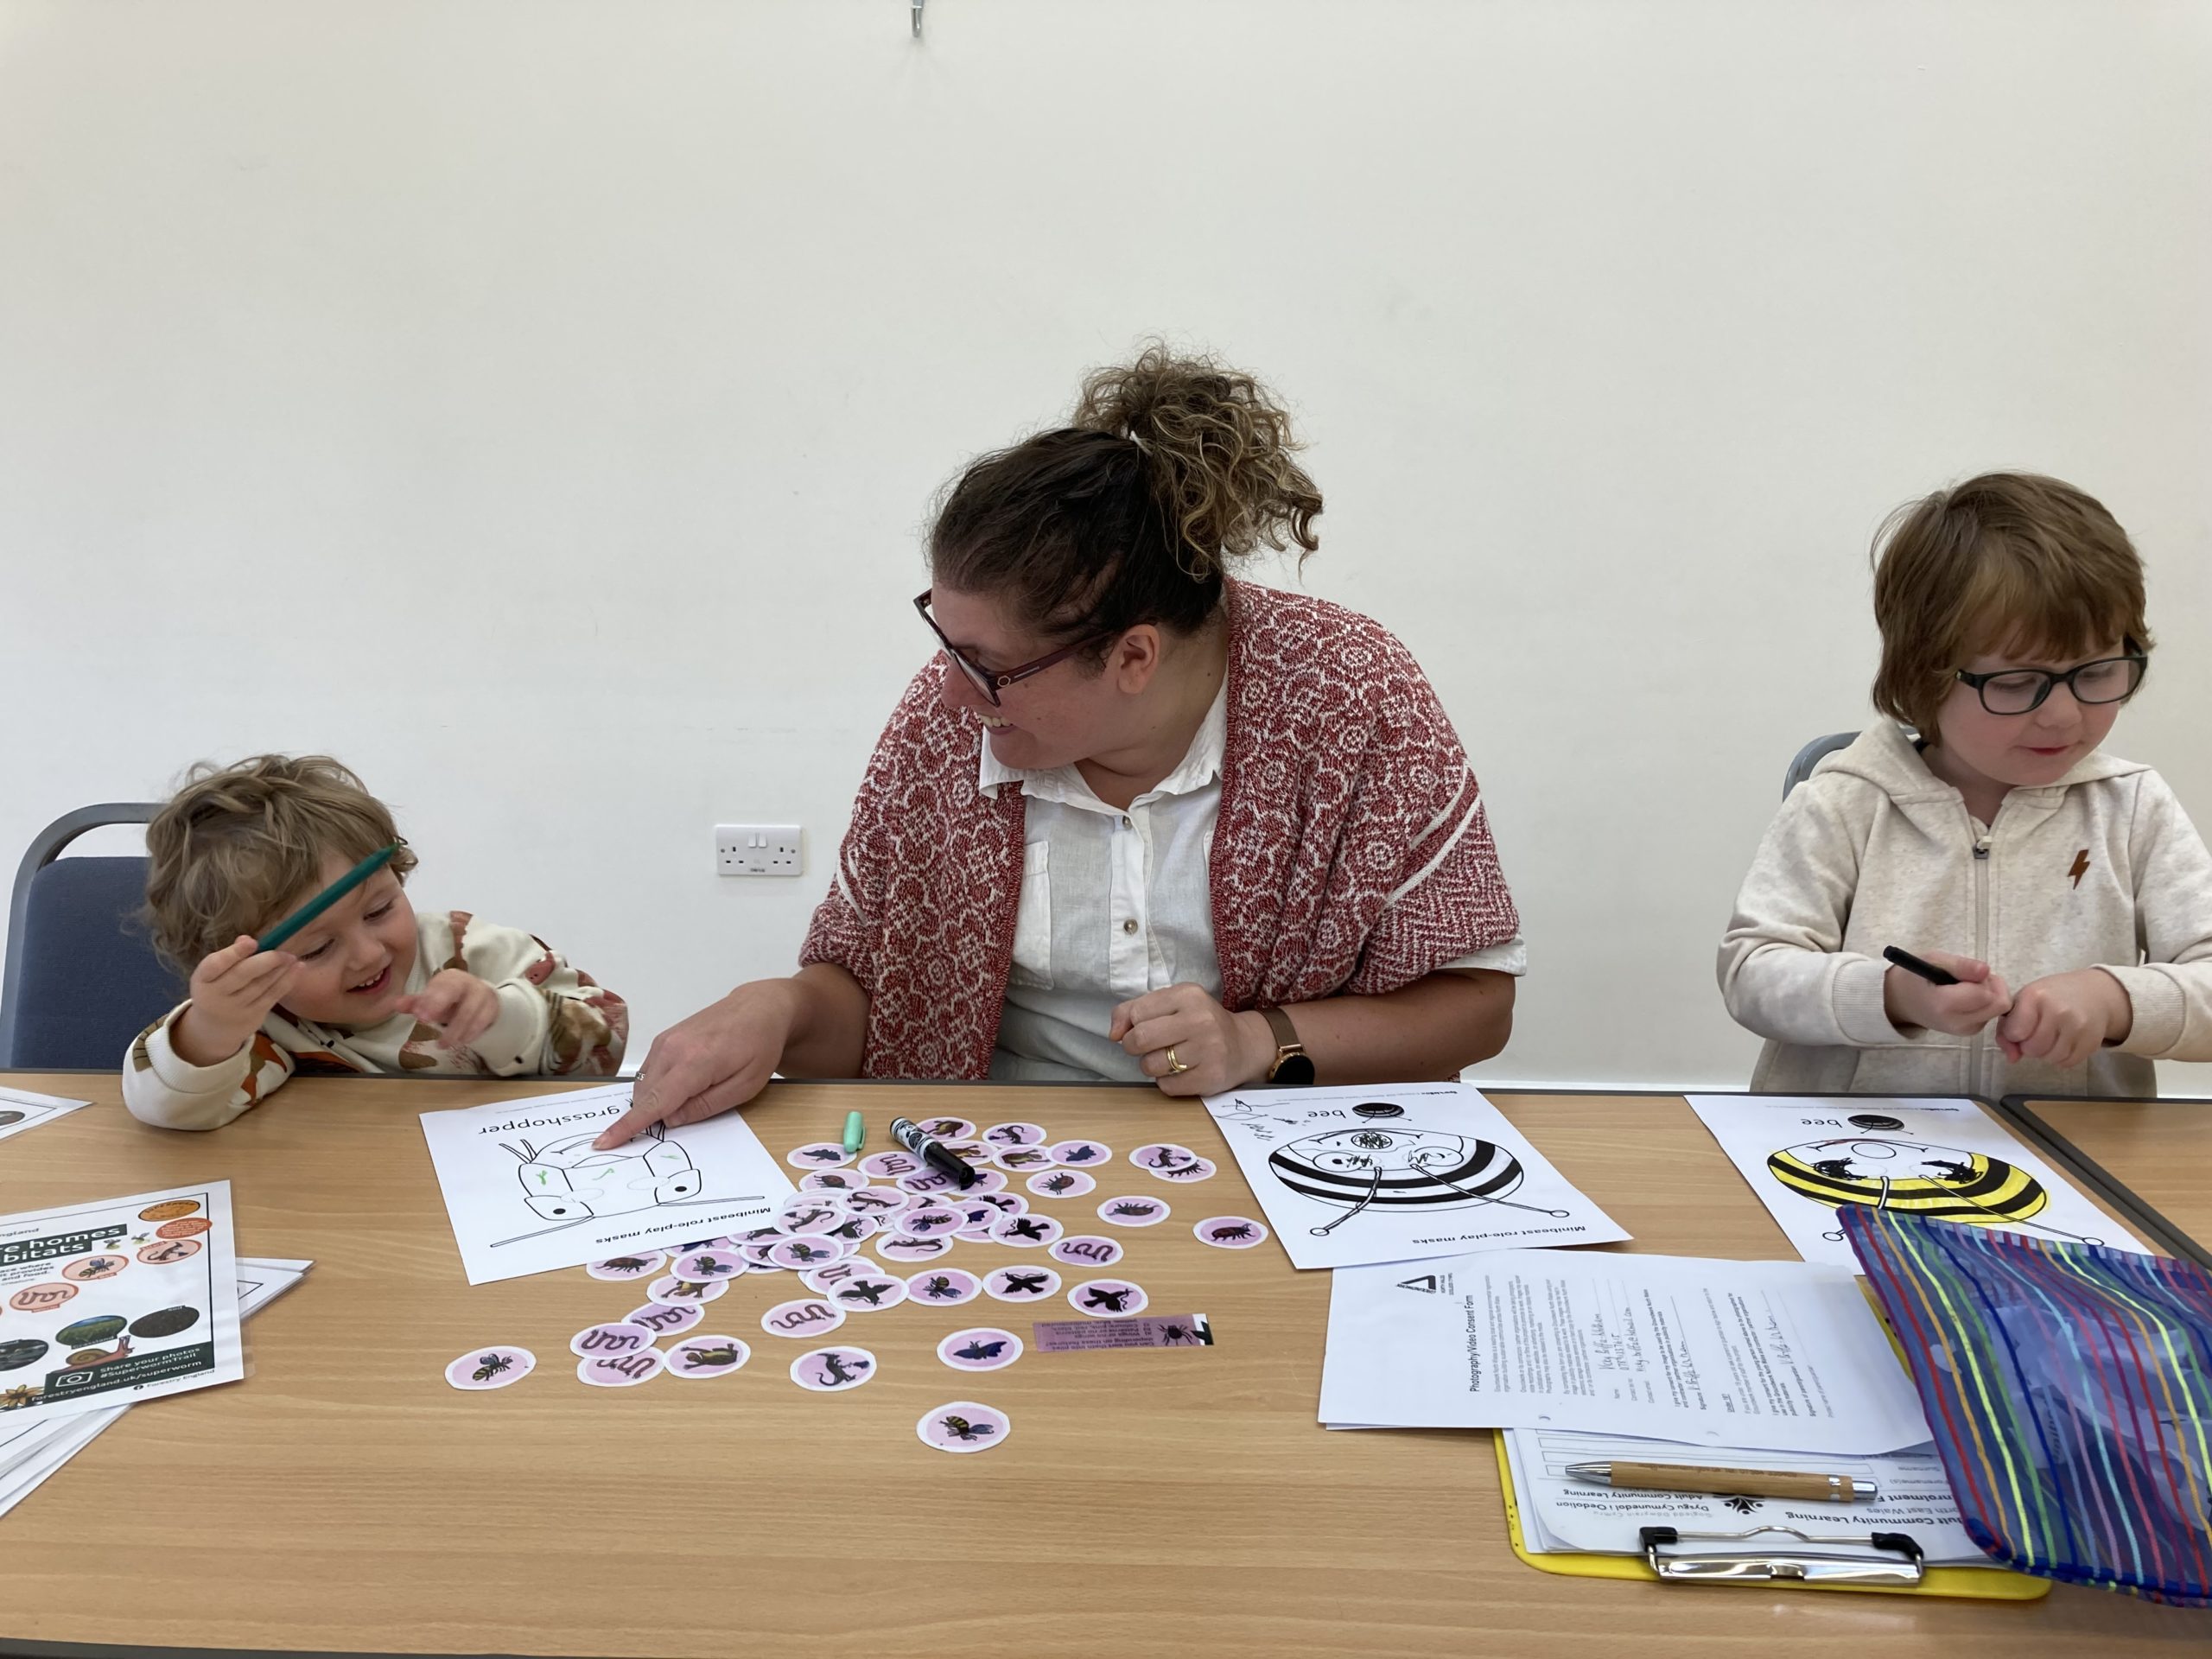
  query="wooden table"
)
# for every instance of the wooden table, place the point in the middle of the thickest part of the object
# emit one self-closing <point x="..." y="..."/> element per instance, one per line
<point x="2159" y="1150"/>
<point x="344" y="1499"/>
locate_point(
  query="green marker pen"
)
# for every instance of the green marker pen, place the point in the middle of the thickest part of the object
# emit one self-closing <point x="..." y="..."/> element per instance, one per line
<point x="329" y="896"/>
<point x="855" y="1134"/>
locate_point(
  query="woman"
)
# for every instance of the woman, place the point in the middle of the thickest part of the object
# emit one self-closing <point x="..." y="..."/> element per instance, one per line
<point x="1137" y="819"/>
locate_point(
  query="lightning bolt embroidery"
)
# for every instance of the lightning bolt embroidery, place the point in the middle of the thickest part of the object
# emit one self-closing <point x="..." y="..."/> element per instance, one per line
<point x="2080" y="865"/>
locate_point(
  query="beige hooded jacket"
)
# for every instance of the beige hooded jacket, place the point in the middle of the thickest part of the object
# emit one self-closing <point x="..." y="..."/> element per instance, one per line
<point x="2102" y="868"/>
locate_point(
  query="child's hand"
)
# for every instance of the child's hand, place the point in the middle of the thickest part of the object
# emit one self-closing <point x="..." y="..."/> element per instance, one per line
<point x="461" y="1006"/>
<point x="232" y="990"/>
<point x="2064" y="1018"/>
<point x="1961" y="1010"/>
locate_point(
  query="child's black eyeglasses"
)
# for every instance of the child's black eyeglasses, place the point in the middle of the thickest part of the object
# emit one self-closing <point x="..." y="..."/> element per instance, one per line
<point x="2022" y="690"/>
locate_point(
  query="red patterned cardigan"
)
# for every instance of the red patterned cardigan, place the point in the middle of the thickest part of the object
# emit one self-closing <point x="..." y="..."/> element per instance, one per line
<point x="1352" y="853"/>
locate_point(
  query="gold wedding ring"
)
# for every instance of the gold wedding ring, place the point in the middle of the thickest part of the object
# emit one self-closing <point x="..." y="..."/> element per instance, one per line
<point x="1174" y="1065"/>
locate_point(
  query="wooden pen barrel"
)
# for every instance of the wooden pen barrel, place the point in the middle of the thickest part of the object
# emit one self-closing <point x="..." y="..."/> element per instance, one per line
<point x="1747" y="1482"/>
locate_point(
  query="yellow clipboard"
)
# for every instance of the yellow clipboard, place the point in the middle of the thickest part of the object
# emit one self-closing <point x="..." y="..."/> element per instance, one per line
<point x="1990" y="1583"/>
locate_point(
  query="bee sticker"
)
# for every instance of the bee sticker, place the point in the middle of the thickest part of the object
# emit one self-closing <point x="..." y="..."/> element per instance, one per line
<point x="94" y="1267"/>
<point x="943" y="1287"/>
<point x="963" y="1426"/>
<point x="491" y="1368"/>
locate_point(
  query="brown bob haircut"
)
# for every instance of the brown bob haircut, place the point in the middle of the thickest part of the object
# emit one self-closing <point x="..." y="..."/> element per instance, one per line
<point x="237" y="845"/>
<point x="2009" y="562"/>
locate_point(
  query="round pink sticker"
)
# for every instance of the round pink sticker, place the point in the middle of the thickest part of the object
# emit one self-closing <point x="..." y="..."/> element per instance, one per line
<point x="911" y="1247"/>
<point x="760" y="1258"/>
<point x="621" y="1370"/>
<point x="985" y="1181"/>
<point x="943" y="1287"/>
<point x="1060" y="1183"/>
<point x="1108" y="1298"/>
<point x="641" y="1266"/>
<point x="1190" y="1174"/>
<point x="948" y="1128"/>
<point x="1086" y="1250"/>
<point x="807" y="1317"/>
<point x="928" y="1223"/>
<point x="854" y="1230"/>
<point x="977" y="1235"/>
<point x="823" y="1280"/>
<point x="819" y="1154"/>
<point x="832" y="1180"/>
<point x="927" y="1180"/>
<point x="890" y="1166"/>
<point x="1020" y="1284"/>
<point x="971" y="1152"/>
<point x="1023" y="1158"/>
<point x="707" y="1266"/>
<point x="1133" y="1211"/>
<point x="801" y="1254"/>
<point x="983" y="1348"/>
<point x="664" y="1320"/>
<point x="811" y="1212"/>
<point x="833" y="1371"/>
<point x="875" y="1201"/>
<point x="1027" y="1232"/>
<point x="1163" y="1155"/>
<point x="706" y="1357"/>
<point x="491" y="1368"/>
<point x="867" y="1293"/>
<point x="620" y="1338"/>
<point x="94" y="1267"/>
<point x="676" y="1291"/>
<point x="964" y="1426"/>
<point x="1013" y="1134"/>
<point x="1007" y="1204"/>
<point x="1080" y="1154"/>
<point x="1230" y="1232"/>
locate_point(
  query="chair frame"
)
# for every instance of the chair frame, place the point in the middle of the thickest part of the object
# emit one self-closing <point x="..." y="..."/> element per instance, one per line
<point x="45" y="847"/>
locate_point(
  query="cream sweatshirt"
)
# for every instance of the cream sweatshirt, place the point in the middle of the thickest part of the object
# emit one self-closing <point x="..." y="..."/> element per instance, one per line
<point x="2101" y="869"/>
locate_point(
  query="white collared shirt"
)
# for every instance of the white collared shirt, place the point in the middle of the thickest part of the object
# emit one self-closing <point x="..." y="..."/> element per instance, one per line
<point x="1116" y="904"/>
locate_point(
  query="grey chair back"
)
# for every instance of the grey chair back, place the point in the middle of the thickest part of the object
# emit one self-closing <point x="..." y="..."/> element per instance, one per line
<point x="1801" y="766"/>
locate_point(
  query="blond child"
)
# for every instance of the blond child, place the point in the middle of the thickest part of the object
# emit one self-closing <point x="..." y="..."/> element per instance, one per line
<point x="2064" y="887"/>
<point x="368" y="985"/>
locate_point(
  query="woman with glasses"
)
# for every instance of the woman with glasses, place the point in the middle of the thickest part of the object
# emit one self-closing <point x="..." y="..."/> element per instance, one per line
<point x="2061" y="894"/>
<point x="1138" y="819"/>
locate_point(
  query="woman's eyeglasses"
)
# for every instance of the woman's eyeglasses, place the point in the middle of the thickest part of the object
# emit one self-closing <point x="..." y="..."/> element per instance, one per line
<point x="990" y="682"/>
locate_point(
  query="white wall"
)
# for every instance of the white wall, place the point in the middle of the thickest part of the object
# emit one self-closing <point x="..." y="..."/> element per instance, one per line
<point x="536" y="402"/>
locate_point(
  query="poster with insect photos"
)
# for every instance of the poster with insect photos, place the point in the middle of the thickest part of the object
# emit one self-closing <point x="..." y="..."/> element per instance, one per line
<point x="124" y="1300"/>
<point x="1354" y="1175"/>
<point x="527" y="1192"/>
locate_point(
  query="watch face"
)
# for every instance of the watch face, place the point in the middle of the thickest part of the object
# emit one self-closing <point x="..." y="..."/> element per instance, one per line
<point x="1293" y="1069"/>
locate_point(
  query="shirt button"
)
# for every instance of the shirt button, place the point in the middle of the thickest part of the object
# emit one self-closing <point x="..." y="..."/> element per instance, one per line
<point x="1126" y="822"/>
<point x="1130" y="925"/>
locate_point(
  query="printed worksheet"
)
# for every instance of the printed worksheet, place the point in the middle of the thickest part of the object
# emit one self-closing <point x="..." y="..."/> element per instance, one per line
<point x="1805" y="1156"/>
<point x="526" y="1191"/>
<point x="117" y="1301"/>
<point x="1770" y="1355"/>
<point x="21" y="1110"/>
<point x="1395" y="1174"/>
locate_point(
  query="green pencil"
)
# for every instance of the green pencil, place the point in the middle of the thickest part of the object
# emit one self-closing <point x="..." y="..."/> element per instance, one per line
<point x="329" y="896"/>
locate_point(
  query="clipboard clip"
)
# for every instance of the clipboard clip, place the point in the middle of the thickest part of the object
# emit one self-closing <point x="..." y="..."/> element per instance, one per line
<point x="1898" y="1558"/>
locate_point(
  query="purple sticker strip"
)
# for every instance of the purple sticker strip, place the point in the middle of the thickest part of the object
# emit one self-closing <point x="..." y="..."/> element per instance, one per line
<point x="1155" y="1330"/>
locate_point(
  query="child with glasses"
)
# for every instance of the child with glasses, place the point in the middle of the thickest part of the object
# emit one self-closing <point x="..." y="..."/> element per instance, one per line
<point x="2064" y="889"/>
<point x="368" y="984"/>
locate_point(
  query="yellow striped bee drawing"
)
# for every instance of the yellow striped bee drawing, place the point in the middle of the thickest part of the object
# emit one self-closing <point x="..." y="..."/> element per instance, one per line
<point x="1945" y="1183"/>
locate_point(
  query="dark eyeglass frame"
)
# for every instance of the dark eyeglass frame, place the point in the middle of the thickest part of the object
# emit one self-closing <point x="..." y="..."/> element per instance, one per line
<point x="2051" y="681"/>
<point x="984" y="680"/>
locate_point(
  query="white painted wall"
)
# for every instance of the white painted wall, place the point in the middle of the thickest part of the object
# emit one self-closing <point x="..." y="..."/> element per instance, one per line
<point x="537" y="402"/>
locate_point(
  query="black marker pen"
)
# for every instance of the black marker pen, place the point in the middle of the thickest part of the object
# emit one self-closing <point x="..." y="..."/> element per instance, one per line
<point x="1912" y="964"/>
<point x="932" y="1151"/>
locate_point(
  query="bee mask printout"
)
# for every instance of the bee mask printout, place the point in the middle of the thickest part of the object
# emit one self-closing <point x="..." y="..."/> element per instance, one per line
<point x="1948" y="1160"/>
<point x="1367" y="1174"/>
<point x="526" y="1192"/>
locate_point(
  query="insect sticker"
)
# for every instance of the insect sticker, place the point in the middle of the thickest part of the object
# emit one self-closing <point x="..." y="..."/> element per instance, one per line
<point x="1020" y="1284"/>
<point x="928" y="1223"/>
<point x="1230" y="1232"/>
<point x="94" y="1268"/>
<point x="1027" y="1232"/>
<point x="491" y="1368"/>
<point x="832" y="1180"/>
<point x="985" y="1348"/>
<point x="943" y="1287"/>
<point x="820" y="1154"/>
<point x="801" y="1254"/>
<point x="1133" y="1211"/>
<point x="1107" y="1298"/>
<point x="621" y="1338"/>
<point x="675" y="1292"/>
<point x="709" y="1265"/>
<point x="1188" y="1174"/>
<point x="964" y="1426"/>
<point x="628" y="1266"/>
<point x="1080" y="1154"/>
<point x="706" y="1357"/>
<point x="621" y="1370"/>
<point x="833" y="1371"/>
<point x="1084" y="1250"/>
<point x="1061" y="1184"/>
<point x="807" y="1317"/>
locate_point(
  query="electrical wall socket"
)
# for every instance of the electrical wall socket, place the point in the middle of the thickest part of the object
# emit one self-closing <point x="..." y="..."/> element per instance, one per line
<point x="757" y="849"/>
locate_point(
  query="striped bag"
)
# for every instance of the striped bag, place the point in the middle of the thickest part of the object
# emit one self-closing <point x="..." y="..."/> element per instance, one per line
<point x="2070" y="1390"/>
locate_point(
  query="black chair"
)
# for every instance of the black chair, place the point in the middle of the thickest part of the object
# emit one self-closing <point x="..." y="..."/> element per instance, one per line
<point x="82" y="977"/>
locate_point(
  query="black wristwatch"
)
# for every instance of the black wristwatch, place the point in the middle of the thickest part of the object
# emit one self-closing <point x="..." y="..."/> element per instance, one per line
<point x="1293" y="1064"/>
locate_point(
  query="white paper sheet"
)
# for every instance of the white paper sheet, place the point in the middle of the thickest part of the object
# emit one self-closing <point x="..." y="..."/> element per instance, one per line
<point x="1946" y="1158"/>
<point x="526" y="1193"/>
<point x="21" y="1110"/>
<point x="118" y="1300"/>
<point x="1781" y="1355"/>
<point x="1399" y="1173"/>
<point x="1559" y="1513"/>
<point x="31" y="1454"/>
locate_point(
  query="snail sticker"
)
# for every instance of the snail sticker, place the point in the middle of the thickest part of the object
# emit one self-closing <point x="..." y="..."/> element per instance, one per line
<point x="1355" y="1175"/>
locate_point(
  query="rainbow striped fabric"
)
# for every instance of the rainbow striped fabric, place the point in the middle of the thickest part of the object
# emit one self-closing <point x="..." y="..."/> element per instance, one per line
<point x="2070" y="1390"/>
